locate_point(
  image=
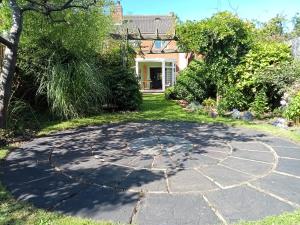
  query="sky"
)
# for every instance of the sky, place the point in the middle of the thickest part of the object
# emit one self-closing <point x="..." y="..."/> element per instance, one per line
<point x="261" y="10"/>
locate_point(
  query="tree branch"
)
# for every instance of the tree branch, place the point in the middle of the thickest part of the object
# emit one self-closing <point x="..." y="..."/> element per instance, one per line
<point x="46" y="8"/>
<point x="6" y="42"/>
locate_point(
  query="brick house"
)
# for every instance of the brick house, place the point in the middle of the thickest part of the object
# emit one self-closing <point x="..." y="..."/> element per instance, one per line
<point x="158" y="59"/>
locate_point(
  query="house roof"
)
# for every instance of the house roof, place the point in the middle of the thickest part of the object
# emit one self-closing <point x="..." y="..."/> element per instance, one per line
<point x="150" y="24"/>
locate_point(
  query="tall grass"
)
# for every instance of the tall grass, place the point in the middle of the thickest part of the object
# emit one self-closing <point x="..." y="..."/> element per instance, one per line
<point x="73" y="90"/>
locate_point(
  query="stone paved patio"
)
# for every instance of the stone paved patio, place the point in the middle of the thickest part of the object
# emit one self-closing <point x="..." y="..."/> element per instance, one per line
<point x="153" y="173"/>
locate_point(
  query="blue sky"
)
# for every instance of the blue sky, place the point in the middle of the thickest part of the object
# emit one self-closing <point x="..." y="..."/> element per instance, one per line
<point x="261" y="10"/>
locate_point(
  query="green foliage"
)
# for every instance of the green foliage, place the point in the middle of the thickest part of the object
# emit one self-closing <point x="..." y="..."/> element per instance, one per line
<point x="74" y="89"/>
<point x="293" y="110"/>
<point x="194" y="83"/>
<point x="223" y="39"/>
<point x="170" y="93"/>
<point x="296" y="23"/>
<point x="263" y="56"/>
<point x="273" y="29"/>
<point x="209" y="103"/>
<point x="21" y="117"/>
<point x="260" y="104"/>
<point x="195" y="107"/>
<point x="233" y="98"/>
<point x="267" y="66"/>
<point x="122" y="83"/>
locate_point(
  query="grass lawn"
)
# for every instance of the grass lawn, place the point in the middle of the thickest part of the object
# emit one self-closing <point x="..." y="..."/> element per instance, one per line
<point x="154" y="108"/>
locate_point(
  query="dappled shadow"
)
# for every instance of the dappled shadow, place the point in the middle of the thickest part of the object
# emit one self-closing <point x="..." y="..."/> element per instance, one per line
<point x="88" y="171"/>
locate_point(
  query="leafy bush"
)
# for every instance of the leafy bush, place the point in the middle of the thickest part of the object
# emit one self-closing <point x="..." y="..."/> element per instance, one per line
<point x="124" y="90"/>
<point x="120" y="79"/>
<point x="194" y="107"/>
<point x="170" y="93"/>
<point x="293" y="110"/>
<point x="194" y="83"/>
<point x="21" y="116"/>
<point x="209" y="103"/>
<point x="260" y="104"/>
<point x="233" y="98"/>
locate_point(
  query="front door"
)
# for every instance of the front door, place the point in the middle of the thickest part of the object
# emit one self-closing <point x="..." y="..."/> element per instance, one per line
<point x="156" y="78"/>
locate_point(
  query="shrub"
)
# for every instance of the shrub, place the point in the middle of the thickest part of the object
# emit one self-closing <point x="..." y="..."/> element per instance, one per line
<point x="232" y="99"/>
<point x="292" y="112"/>
<point x="194" y="107"/>
<point x="260" y="104"/>
<point x="21" y="118"/>
<point x="194" y="83"/>
<point x="124" y="90"/>
<point x="209" y="104"/>
<point x="170" y="93"/>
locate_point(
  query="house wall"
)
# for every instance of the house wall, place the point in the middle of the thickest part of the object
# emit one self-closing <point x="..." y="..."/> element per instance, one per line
<point x="182" y="59"/>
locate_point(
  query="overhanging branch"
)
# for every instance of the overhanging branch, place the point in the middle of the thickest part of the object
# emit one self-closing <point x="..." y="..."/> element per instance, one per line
<point x="6" y="42"/>
<point x="47" y="8"/>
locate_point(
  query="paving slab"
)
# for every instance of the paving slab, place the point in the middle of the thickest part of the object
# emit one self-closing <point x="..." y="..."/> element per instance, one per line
<point x="278" y="142"/>
<point x="189" y="181"/>
<point x="255" y="155"/>
<point x="18" y="174"/>
<point x="287" y="152"/>
<point x="247" y="166"/>
<point x="101" y="204"/>
<point x="285" y="187"/>
<point x="145" y="180"/>
<point x="176" y="210"/>
<point x="224" y="176"/>
<point x="46" y="192"/>
<point x="289" y="166"/>
<point x="249" y="146"/>
<point x="244" y="203"/>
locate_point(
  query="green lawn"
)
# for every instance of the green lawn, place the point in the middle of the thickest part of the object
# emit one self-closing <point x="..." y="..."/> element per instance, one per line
<point x="154" y="108"/>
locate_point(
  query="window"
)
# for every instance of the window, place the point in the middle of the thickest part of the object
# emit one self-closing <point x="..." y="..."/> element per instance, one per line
<point x="159" y="44"/>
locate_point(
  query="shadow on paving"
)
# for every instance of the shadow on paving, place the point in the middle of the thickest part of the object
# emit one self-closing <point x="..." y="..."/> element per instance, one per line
<point x="95" y="185"/>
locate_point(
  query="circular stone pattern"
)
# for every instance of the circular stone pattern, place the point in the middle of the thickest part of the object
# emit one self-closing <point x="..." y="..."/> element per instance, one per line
<point x="160" y="158"/>
<point x="151" y="173"/>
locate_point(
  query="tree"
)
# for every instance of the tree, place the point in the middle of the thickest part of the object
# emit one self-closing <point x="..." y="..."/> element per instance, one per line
<point x="222" y="39"/>
<point x="274" y="28"/>
<point x="296" y="23"/>
<point x="18" y="9"/>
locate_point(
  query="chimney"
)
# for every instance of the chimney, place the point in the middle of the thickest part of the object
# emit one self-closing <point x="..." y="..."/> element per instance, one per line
<point x="117" y="15"/>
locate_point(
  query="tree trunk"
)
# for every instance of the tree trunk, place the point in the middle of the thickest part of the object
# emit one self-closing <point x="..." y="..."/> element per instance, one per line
<point x="9" y="61"/>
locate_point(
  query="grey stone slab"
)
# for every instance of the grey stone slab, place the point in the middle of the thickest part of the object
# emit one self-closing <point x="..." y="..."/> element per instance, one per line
<point x="250" y="167"/>
<point x="224" y="176"/>
<point x="145" y="180"/>
<point x="144" y="161"/>
<point x="249" y="146"/>
<point x="260" y="156"/>
<point x="16" y="174"/>
<point x="45" y="192"/>
<point x="281" y="185"/>
<point x="289" y="166"/>
<point x="163" y="162"/>
<point x="216" y="155"/>
<point x="164" y="209"/>
<point x="287" y="152"/>
<point x="278" y="142"/>
<point x="189" y="180"/>
<point x="192" y="160"/>
<point x="101" y="204"/>
<point x="109" y="175"/>
<point x="244" y="203"/>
